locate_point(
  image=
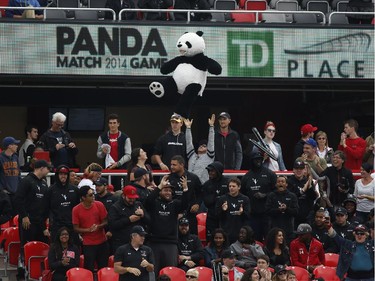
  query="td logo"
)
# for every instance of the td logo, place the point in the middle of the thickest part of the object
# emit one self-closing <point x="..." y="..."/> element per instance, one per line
<point x="250" y="53"/>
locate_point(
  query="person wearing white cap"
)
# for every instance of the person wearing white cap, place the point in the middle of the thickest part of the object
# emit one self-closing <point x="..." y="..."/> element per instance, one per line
<point x="228" y="148"/>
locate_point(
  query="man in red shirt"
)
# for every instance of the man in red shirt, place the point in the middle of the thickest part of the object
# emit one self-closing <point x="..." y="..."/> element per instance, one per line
<point x="306" y="251"/>
<point x="353" y="146"/>
<point x="89" y="219"/>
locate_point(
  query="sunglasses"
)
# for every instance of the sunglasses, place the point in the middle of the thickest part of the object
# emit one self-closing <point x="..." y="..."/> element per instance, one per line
<point x="225" y="273"/>
<point x="90" y="195"/>
<point x="360" y="233"/>
<point x="281" y="273"/>
<point x="321" y="138"/>
<point x="271" y="131"/>
<point x="191" y="277"/>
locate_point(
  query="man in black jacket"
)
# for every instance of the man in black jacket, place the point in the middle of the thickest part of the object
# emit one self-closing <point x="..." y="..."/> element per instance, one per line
<point x="190" y="248"/>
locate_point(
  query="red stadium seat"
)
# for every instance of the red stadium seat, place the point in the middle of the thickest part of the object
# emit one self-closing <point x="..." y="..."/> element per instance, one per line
<point x="205" y="273"/>
<point x="35" y="253"/>
<point x="245" y="17"/>
<point x="326" y="272"/>
<point x="111" y="261"/>
<point x="301" y="273"/>
<point x="11" y="248"/>
<point x="79" y="274"/>
<point x="15" y="220"/>
<point x="3" y="3"/>
<point x="201" y="222"/>
<point x="107" y="274"/>
<point x="331" y="259"/>
<point x="175" y="273"/>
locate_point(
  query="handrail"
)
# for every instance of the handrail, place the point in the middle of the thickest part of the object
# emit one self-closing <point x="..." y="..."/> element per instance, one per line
<point x="238" y="11"/>
<point x="60" y="8"/>
<point x="347" y="13"/>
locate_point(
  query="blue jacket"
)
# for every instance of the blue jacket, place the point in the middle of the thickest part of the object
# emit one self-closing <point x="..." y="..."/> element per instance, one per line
<point x="347" y="248"/>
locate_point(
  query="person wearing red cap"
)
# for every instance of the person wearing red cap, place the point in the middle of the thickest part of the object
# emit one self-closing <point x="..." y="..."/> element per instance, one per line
<point x="307" y="131"/>
<point x="124" y="214"/>
<point x="353" y="145"/>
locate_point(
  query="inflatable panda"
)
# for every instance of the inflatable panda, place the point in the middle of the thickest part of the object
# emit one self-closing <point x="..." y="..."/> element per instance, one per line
<point x="190" y="71"/>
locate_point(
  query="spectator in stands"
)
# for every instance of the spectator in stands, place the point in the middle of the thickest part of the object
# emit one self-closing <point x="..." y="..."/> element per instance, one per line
<point x="63" y="254"/>
<point x="263" y="266"/>
<point x="302" y="184"/>
<point x="192" y="274"/>
<point x="350" y="204"/>
<point x="102" y="194"/>
<point x="217" y="244"/>
<point x="319" y="231"/>
<point x="307" y="131"/>
<point x="31" y="203"/>
<point x="281" y="273"/>
<point x="251" y="274"/>
<point x="353" y="146"/>
<point x="341" y="224"/>
<point x="138" y="159"/>
<point x="282" y="207"/>
<point x="89" y="219"/>
<point x="192" y="5"/>
<point x="141" y="183"/>
<point x="178" y="175"/>
<point x="124" y="214"/>
<point x="9" y="169"/>
<point x="245" y="249"/>
<point x="356" y="259"/>
<point x="306" y="251"/>
<point x="228" y="149"/>
<point x="59" y="143"/>
<point x="233" y="210"/>
<point x="257" y="183"/>
<point x="323" y="150"/>
<point x="156" y="4"/>
<point x="135" y="261"/>
<point x="19" y="14"/>
<point x="170" y="144"/>
<point x="117" y="6"/>
<point x="229" y="260"/>
<point x="62" y="197"/>
<point x="269" y="134"/>
<point x="26" y="151"/>
<point x="309" y="156"/>
<point x="340" y="179"/>
<point x="92" y="173"/>
<point x="364" y="190"/>
<point x="216" y="186"/>
<point x="115" y="147"/>
<point x="360" y="6"/>
<point x="369" y="154"/>
<point x="164" y="211"/>
<point x="74" y="179"/>
<point x="205" y="154"/>
<point x="276" y="248"/>
<point x="291" y="276"/>
<point x="190" y="248"/>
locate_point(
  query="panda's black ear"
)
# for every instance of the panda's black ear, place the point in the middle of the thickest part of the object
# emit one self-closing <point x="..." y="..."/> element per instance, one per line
<point x="186" y="32"/>
<point x="200" y="33"/>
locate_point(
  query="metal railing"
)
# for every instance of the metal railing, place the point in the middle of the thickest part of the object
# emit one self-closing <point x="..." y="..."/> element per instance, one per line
<point x="332" y="14"/>
<point x="61" y="8"/>
<point x="238" y="11"/>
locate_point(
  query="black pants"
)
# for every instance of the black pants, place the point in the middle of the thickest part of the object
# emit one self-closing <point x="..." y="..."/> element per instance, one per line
<point x="166" y="254"/>
<point x="96" y="253"/>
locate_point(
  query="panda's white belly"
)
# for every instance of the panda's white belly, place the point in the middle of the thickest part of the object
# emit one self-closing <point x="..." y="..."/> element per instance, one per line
<point x="186" y="74"/>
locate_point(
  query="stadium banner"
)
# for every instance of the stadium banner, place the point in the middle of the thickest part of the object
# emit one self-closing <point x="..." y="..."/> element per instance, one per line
<point x="131" y="50"/>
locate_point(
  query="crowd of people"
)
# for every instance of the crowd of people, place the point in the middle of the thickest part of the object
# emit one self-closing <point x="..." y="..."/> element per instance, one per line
<point x="257" y="224"/>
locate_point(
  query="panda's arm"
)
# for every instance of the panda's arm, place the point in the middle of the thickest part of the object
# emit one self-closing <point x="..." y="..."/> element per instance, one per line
<point x="213" y="66"/>
<point x="171" y="65"/>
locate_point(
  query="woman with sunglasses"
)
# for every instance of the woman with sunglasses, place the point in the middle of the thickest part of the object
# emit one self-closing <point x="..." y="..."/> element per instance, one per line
<point x="323" y="150"/>
<point x="63" y="254"/>
<point x="269" y="134"/>
<point x="356" y="257"/>
<point x="281" y="273"/>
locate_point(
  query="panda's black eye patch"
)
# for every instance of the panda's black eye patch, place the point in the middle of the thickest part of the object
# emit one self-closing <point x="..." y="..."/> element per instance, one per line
<point x="188" y="44"/>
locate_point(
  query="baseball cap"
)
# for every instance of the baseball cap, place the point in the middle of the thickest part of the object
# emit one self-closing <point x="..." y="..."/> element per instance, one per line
<point x="130" y="192"/>
<point x="139" y="230"/>
<point x="183" y="221"/>
<point x="140" y="172"/>
<point x="280" y="268"/>
<point x="299" y="165"/>
<point x="350" y="198"/>
<point x="9" y="140"/>
<point x="360" y="228"/>
<point x="42" y="164"/>
<point x="228" y="254"/>
<point x="224" y="115"/>
<point x="201" y="142"/>
<point x="341" y="210"/>
<point x="176" y="117"/>
<point x="62" y="169"/>
<point x="311" y="142"/>
<point x="308" y="128"/>
<point x="303" y="228"/>
<point x="101" y="181"/>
